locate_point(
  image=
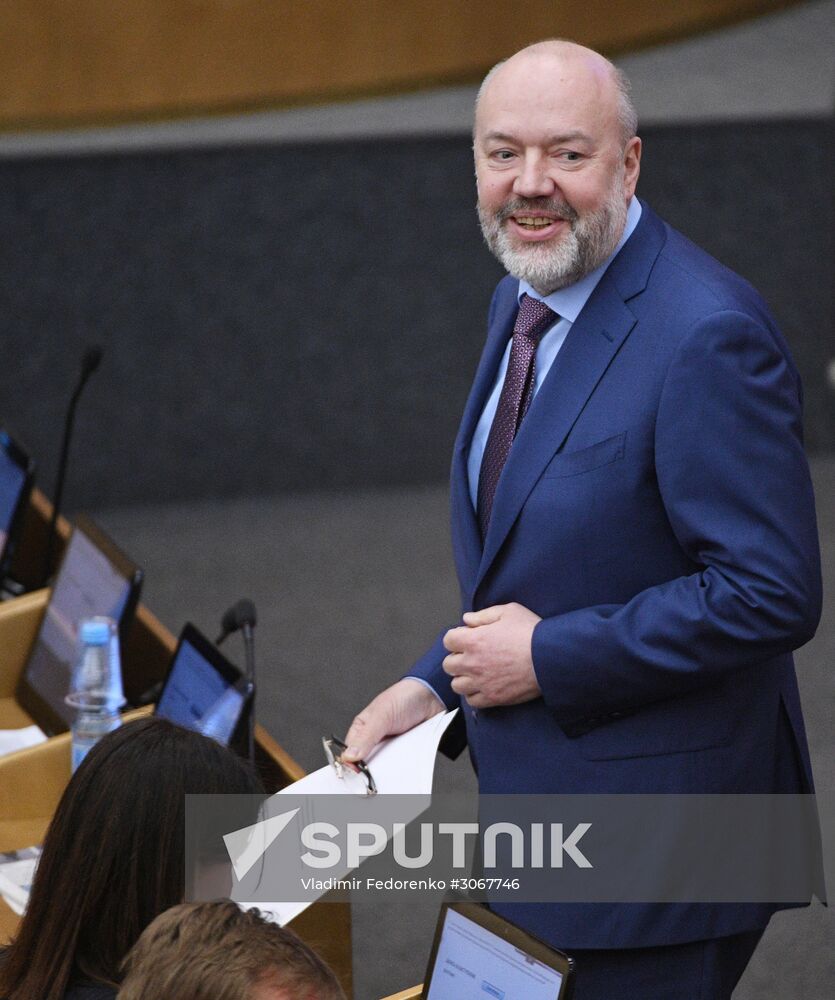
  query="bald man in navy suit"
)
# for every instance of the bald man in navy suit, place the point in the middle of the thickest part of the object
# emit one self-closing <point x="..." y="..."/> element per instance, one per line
<point x="638" y="562"/>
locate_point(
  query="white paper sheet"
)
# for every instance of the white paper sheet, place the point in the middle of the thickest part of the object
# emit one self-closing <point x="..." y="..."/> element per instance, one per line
<point x="402" y="765"/>
<point x="19" y="739"/>
<point x="17" y="870"/>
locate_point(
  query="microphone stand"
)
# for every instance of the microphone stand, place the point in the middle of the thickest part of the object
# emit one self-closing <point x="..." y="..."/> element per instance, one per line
<point x="89" y="363"/>
<point x="241" y="617"/>
<point x="249" y="653"/>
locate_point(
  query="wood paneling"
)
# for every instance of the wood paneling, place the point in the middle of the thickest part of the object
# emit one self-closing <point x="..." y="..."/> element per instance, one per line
<point x="86" y="60"/>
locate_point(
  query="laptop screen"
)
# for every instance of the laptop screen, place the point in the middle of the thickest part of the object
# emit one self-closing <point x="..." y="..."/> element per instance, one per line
<point x="12" y="478"/>
<point x="203" y="690"/>
<point x="92" y="580"/>
<point x="15" y="477"/>
<point x="472" y="962"/>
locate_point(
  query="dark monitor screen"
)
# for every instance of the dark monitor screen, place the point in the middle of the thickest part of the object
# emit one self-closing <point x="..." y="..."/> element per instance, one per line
<point x="94" y="578"/>
<point x="16" y="469"/>
<point x="203" y="690"/>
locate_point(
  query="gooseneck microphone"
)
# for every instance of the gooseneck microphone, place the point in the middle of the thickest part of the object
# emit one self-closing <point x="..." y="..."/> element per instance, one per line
<point x="90" y="361"/>
<point x="241" y="617"/>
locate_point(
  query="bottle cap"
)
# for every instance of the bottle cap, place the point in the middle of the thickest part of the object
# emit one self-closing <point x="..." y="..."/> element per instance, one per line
<point x="96" y="683"/>
<point x="95" y="631"/>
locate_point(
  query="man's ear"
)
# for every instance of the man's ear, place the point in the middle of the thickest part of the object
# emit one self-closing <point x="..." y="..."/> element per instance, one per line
<point x="631" y="166"/>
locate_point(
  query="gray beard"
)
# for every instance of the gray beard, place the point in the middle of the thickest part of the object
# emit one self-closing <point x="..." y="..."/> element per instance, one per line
<point x="552" y="265"/>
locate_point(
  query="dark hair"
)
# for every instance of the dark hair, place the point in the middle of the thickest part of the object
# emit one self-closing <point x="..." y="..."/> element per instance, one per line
<point x="216" y="951"/>
<point x="113" y="854"/>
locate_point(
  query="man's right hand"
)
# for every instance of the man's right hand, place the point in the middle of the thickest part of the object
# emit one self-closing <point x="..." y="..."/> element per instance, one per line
<point x="399" y="708"/>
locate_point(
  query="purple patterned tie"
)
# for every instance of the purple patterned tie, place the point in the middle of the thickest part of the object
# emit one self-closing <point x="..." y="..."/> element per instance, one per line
<point x="533" y="320"/>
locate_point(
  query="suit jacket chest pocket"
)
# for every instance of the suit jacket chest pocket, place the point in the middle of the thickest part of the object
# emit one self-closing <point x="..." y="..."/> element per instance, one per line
<point x="594" y="456"/>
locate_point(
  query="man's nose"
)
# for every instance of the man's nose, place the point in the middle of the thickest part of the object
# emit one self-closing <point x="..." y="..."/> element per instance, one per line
<point x="533" y="179"/>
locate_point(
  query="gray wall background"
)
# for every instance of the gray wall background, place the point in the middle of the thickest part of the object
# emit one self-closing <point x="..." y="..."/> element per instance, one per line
<point x="308" y="316"/>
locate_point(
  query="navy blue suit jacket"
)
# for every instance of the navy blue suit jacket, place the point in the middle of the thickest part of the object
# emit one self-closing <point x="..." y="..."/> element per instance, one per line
<point x="656" y="511"/>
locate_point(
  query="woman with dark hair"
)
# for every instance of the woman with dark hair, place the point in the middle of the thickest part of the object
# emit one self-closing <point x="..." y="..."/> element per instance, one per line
<point x="113" y="858"/>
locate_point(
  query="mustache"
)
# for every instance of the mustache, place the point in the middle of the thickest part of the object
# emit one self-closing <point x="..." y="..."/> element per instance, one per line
<point x="531" y="206"/>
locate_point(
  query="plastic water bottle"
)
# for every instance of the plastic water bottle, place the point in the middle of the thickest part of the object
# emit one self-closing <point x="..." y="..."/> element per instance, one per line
<point x="88" y="729"/>
<point x="96" y="687"/>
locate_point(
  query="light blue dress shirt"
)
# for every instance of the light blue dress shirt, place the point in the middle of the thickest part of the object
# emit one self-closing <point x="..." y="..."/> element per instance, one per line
<point x="567" y="303"/>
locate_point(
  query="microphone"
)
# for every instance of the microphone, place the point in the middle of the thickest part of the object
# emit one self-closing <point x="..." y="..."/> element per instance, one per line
<point x="90" y="361"/>
<point x="241" y="617"/>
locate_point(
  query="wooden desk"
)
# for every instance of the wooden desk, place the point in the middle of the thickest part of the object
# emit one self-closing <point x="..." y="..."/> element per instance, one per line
<point x="43" y="772"/>
<point x="33" y="780"/>
<point x="146" y="652"/>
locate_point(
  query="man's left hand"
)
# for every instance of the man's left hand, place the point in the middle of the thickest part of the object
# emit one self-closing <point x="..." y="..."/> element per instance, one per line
<point x="490" y="656"/>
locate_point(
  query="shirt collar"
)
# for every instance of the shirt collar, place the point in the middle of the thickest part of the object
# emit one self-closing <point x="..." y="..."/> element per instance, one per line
<point x="568" y="302"/>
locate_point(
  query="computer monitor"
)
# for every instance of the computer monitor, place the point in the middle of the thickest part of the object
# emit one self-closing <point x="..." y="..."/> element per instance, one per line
<point x="203" y="690"/>
<point x="477" y="954"/>
<point x="94" y="578"/>
<point x="17" y="471"/>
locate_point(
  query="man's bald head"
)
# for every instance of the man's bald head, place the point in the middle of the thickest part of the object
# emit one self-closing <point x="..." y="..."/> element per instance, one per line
<point x="613" y="82"/>
<point x="556" y="162"/>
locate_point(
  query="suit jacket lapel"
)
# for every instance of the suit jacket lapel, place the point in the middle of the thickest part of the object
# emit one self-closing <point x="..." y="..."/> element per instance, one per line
<point x="592" y="342"/>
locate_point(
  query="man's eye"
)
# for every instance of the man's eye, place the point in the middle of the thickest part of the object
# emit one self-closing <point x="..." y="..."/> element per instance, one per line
<point x="503" y="154"/>
<point x="570" y="155"/>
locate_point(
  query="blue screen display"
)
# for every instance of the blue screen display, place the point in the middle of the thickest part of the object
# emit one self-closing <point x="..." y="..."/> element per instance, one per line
<point x="197" y="697"/>
<point x="12" y="478"/>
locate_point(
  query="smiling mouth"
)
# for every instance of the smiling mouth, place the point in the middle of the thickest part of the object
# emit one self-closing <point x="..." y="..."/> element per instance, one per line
<point x="534" y="221"/>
